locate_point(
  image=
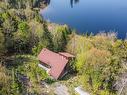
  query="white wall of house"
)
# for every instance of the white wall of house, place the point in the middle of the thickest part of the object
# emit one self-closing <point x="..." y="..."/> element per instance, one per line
<point x="43" y="67"/>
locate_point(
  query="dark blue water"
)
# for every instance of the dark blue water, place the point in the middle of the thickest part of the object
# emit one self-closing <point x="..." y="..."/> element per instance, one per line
<point x="89" y="15"/>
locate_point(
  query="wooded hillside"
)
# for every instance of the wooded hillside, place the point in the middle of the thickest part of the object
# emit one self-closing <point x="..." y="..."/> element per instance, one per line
<point x="100" y="63"/>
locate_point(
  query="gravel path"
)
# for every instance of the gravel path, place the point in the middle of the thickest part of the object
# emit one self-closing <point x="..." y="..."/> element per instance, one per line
<point x="61" y="89"/>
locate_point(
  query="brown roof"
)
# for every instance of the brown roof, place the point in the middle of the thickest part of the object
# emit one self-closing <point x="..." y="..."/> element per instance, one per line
<point x="55" y="60"/>
<point x="68" y="55"/>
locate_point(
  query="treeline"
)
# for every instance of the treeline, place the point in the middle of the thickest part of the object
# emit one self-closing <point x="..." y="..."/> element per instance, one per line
<point x="23" y="32"/>
<point x="23" y="4"/>
<point x="100" y="60"/>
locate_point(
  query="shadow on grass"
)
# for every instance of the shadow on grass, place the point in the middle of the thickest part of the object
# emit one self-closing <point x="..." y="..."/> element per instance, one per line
<point x="69" y="76"/>
<point x="15" y="61"/>
<point x="49" y="80"/>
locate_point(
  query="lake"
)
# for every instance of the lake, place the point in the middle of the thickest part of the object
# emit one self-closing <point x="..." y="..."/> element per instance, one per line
<point x="89" y="15"/>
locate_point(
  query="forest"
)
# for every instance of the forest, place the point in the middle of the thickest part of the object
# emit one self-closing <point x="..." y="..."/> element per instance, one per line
<point x="100" y="65"/>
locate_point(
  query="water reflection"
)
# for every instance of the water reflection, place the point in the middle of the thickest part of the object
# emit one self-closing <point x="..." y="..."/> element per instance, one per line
<point x="89" y="15"/>
<point x="41" y="3"/>
<point x="47" y="2"/>
<point x="72" y="2"/>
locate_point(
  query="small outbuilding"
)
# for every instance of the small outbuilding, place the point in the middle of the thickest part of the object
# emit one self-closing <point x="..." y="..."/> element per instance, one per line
<point x="56" y="64"/>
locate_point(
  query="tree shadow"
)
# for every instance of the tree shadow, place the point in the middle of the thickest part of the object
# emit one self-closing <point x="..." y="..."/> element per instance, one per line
<point x="72" y="2"/>
<point x="15" y="61"/>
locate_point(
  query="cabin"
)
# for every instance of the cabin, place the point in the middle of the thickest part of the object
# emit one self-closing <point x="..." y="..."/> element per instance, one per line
<point x="56" y="64"/>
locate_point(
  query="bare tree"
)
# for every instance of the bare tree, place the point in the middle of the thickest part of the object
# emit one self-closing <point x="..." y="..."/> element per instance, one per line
<point x="121" y="84"/>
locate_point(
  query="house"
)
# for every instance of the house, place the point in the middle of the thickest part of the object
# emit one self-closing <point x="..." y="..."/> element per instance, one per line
<point x="56" y="64"/>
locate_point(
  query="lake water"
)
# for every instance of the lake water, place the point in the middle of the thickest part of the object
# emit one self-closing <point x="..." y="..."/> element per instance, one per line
<point x="89" y="15"/>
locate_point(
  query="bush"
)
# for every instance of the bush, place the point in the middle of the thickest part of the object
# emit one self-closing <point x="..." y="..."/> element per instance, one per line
<point x="99" y="61"/>
<point x="49" y="80"/>
<point x="2" y="45"/>
<point x="4" y="81"/>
